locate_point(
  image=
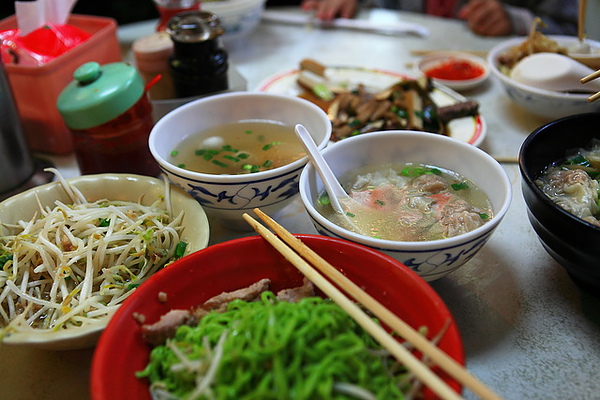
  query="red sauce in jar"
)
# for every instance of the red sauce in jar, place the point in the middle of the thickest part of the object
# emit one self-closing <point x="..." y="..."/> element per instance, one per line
<point x="119" y="145"/>
<point x="455" y="70"/>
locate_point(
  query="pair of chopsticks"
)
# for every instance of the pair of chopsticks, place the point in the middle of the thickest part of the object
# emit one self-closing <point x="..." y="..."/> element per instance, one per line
<point x="589" y="78"/>
<point x="300" y="255"/>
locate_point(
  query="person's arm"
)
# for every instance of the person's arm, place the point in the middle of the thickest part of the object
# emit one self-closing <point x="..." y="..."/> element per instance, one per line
<point x="327" y="10"/>
<point x="487" y="17"/>
<point x="496" y="18"/>
<point x="560" y="20"/>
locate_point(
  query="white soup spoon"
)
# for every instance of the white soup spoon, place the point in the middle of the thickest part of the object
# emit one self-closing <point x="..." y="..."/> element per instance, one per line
<point x="552" y="71"/>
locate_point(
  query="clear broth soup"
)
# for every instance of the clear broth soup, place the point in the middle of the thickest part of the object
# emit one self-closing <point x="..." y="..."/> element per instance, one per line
<point x="238" y="148"/>
<point x="409" y="202"/>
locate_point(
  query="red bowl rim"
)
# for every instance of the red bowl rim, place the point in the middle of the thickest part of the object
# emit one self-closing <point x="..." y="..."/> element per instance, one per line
<point x="102" y="367"/>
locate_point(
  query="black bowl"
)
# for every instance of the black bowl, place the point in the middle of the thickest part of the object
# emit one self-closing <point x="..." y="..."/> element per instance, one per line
<point x="572" y="242"/>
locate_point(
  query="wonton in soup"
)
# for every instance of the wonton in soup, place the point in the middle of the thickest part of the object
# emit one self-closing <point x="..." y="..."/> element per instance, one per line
<point x="410" y="202"/>
<point x="573" y="183"/>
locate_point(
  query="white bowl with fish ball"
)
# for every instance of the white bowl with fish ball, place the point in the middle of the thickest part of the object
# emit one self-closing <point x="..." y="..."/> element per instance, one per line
<point x="226" y="196"/>
<point x="431" y="259"/>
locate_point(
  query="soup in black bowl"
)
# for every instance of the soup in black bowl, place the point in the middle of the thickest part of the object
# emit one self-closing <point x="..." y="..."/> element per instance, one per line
<point x="570" y="240"/>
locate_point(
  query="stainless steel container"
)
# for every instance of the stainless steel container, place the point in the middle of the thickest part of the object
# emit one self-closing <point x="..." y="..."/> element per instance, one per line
<point x="16" y="163"/>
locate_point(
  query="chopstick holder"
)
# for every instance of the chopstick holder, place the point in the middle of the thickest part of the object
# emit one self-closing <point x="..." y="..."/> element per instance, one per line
<point x="448" y="364"/>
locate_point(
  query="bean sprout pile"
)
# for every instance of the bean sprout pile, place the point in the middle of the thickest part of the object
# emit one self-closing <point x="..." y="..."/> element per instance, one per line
<point x="74" y="264"/>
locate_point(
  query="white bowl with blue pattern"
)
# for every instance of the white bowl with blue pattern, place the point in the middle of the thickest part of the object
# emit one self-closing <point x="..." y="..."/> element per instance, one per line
<point x="226" y="197"/>
<point x="430" y="259"/>
<point x="542" y="103"/>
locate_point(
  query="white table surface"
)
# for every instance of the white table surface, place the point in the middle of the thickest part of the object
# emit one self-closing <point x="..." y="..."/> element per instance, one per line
<point x="528" y="331"/>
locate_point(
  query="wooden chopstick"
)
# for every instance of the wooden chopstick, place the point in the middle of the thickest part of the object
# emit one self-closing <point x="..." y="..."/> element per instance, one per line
<point x="425" y="52"/>
<point x="444" y="361"/>
<point x="594" y="97"/>
<point x="591" y="77"/>
<point x="581" y="19"/>
<point x="506" y="159"/>
<point x="401" y="353"/>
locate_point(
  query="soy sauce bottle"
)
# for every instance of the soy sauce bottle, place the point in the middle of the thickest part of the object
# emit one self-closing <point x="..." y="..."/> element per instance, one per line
<point x="198" y="64"/>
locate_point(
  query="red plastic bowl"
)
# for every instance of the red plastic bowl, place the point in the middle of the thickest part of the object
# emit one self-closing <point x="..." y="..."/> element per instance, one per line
<point x="238" y="263"/>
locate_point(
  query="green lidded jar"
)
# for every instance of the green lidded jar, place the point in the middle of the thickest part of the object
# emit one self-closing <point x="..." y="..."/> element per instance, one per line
<point x="107" y="110"/>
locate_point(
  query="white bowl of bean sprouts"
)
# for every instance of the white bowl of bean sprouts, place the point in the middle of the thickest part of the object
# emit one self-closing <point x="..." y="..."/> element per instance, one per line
<point x="70" y="258"/>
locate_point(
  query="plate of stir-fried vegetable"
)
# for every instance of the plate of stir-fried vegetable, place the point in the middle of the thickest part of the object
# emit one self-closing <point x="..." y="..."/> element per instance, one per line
<point x="361" y="100"/>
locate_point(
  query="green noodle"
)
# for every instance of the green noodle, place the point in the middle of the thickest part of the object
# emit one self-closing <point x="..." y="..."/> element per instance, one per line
<point x="275" y="350"/>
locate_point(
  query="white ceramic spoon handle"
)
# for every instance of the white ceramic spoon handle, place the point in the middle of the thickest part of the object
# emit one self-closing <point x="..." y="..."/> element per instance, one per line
<point x="332" y="186"/>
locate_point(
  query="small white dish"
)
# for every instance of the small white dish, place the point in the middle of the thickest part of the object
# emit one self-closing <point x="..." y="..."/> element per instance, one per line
<point x="458" y="63"/>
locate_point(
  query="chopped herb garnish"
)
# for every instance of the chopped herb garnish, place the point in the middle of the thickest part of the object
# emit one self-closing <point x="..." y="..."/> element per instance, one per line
<point x="104" y="222"/>
<point x="270" y="145"/>
<point x="4" y="258"/>
<point x="484" y="216"/>
<point x="219" y="163"/>
<point x="181" y="165"/>
<point x="267" y="163"/>
<point x="348" y="213"/>
<point x="324" y="200"/>
<point x="578" y="160"/>
<point x="174" y="153"/>
<point x="180" y="249"/>
<point x="412" y="170"/>
<point x="460" y="186"/>
<point x="251" y="168"/>
<point x="248" y="132"/>
<point x="323" y="92"/>
<point x="231" y="158"/>
<point x="380" y="202"/>
<point x="243" y="156"/>
<point x="354" y="122"/>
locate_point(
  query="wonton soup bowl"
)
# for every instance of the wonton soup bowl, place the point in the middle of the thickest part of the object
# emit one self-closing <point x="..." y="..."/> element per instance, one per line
<point x="125" y="187"/>
<point x="571" y="241"/>
<point x="430" y="259"/>
<point x="238" y="263"/>
<point x="226" y="197"/>
<point x="540" y="102"/>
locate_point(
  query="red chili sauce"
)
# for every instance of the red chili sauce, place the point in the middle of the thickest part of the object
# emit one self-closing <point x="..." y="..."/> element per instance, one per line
<point x="455" y="70"/>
